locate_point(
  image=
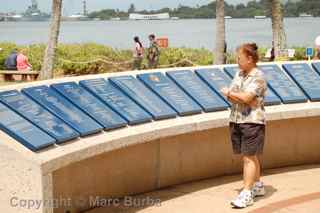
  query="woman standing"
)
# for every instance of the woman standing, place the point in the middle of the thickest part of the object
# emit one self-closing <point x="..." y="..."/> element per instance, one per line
<point x="137" y="53"/>
<point x="247" y="121"/>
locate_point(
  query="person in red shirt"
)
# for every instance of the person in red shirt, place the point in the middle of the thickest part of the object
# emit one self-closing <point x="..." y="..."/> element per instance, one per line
<point x="23" y="63"/>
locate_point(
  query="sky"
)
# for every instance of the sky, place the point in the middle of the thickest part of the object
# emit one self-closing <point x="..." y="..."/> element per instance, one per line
<point x="75" y="6"/>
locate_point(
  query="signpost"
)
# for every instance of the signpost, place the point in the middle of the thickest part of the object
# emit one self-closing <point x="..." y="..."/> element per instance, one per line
<point x="309" y="52"/>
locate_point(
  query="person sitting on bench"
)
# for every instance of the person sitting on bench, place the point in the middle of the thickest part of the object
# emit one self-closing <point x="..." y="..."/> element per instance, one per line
<point x="23" y="63"/>
<point x="11" y="64"/>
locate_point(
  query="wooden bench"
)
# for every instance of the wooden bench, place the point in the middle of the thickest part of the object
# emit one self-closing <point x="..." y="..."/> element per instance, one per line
<point x="7" y="74"/>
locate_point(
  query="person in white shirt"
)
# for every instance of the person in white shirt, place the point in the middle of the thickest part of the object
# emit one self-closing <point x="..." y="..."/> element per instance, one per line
<point x="137" y="53"/>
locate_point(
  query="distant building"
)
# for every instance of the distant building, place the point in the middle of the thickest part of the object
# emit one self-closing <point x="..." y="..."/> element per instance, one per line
<point x="2" y="16"/>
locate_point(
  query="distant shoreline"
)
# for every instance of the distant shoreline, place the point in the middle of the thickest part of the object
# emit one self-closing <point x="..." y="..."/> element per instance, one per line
<point x="127" y="19"/>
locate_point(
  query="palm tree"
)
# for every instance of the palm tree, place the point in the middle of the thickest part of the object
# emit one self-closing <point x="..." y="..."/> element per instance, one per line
<point x="48" y="60"/>
<point x="279" y="36"/>
<point x="220" y="33"/>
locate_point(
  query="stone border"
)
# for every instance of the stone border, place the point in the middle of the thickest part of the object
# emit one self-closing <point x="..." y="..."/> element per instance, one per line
<point x="59" y="156"/>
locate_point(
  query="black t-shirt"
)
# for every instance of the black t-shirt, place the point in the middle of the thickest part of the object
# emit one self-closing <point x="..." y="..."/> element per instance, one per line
<point x="11" y="61"/>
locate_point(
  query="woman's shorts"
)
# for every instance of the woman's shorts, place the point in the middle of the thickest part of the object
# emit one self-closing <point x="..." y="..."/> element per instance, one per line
<point x="247" y="138"/>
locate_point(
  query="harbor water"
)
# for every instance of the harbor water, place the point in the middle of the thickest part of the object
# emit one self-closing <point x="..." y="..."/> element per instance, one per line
<point x="193" y="33"/>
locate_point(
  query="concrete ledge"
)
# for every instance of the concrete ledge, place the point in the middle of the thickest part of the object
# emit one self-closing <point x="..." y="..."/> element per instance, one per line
<point x="149" y="156"/>
<point x="16" y="72"/>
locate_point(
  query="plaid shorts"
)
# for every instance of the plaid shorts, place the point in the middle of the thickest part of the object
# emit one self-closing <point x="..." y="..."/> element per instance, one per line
<point x="247" y="138"/>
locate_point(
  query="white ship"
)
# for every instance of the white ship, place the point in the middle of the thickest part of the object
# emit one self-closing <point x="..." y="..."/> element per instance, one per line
<point x="13" y="17"/>
<point x="115" y="19"/>
<point x="79" y="16"/>
<point x="76" y="17"/>
<point x="174" y="18"/>
<point x="227" y="17"/>
<point x="260" y="17"/>
<point x="305" y="15"/>
<point x="159" y="16"/>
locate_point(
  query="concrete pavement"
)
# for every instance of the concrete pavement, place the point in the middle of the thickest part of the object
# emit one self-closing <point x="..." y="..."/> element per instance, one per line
<point x="293" y="189"/>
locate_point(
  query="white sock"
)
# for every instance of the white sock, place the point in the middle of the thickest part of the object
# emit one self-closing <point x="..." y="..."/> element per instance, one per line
<point x="246" y="191"/>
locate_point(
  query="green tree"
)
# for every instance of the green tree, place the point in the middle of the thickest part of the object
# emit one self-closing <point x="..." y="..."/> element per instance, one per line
<point x="252" y="8"/>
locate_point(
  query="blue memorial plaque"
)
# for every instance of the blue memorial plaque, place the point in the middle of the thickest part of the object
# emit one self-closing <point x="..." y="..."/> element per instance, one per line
<point x="282" y="85"/>
<point x="166" y="89"/>
<point x="216" y="80"/>
<point x="144" y="97"/>
<point x="231" y="71"/>
<point x="38" y="115"/>
<point x="117" y="100"/>
<point x="270" y="99"/>
<point x="316" y="67"/>
<point x="22" y="130"/>
<point x="306" y="78"/>
<point x="198" y="90"/>
<point x="65" y="110"/>
<point x="95" y="108"/>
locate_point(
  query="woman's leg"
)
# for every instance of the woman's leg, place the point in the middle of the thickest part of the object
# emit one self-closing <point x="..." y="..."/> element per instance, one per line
<point x="134" y="64"/>
<point x="245" y="198"/>
<point x="24" y="77"/>
<point x="137" y="63"/>
<point x="258" y="188"/>
<point x="250" y="171"/>
<point x="258" y="169"/>
<point x="140" y="63"/>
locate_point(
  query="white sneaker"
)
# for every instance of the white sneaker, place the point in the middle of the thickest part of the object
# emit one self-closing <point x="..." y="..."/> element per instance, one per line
<point x="258" y="190"/>
<point x="243" y="200"/>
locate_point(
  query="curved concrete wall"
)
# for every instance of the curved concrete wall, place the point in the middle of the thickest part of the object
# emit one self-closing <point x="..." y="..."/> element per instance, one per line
<point x="181" y="158"/>
<point x="148" y="156"/>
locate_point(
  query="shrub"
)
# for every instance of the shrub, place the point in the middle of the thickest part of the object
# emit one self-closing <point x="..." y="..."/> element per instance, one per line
<point x="91" y="58"/>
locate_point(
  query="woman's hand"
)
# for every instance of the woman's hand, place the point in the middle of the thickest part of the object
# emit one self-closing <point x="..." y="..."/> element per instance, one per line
<point x="225" y="91"/>
<point x="240" y="97"/>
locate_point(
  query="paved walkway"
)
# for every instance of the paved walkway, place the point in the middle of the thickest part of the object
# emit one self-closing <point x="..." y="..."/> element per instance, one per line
<point x="294" y="190"/>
